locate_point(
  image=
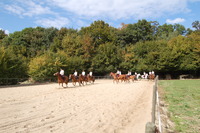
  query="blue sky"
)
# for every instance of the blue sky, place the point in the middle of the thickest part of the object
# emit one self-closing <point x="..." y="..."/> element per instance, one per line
<point x="15" y="15"/>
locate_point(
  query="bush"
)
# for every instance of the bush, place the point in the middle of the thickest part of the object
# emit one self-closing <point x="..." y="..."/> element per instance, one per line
<point x="42" y="67"/>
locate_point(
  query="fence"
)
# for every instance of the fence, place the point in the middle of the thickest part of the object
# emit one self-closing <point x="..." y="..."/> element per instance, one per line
<point x="23" y="81"/>
<point x="156" y="120"/>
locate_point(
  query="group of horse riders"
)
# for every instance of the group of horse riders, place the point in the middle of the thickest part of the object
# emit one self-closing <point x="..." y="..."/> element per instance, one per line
<point x="81" y="79"/>
<point x="76" y="73"/>
<point x="83" y="73"/>
<point x="137" y="75"/>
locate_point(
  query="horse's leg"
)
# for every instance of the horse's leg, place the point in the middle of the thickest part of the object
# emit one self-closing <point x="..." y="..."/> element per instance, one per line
<point x="79" y="83"/>
<point x="62" y="84"/>
<point x="74" y="83"/>
<point x="66" y="82"/>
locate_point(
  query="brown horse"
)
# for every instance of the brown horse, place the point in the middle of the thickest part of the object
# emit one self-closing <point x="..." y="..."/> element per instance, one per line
<point x="74" y="79"/>
<point x="61" y="79"/>
<point x="84" y="79"/>
<point x="132" y="77"/>
<point x="151" y="77"/>
<point x="90" y="78"/>
<point x="123" y="77"/>
<point x="115" y="78"/>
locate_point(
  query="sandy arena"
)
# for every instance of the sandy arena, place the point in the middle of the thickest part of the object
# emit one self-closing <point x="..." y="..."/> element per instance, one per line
<point x="102" y="107"/>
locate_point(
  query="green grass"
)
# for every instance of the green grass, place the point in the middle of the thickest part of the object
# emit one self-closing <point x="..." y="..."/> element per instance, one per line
<point x="183" y="97"/>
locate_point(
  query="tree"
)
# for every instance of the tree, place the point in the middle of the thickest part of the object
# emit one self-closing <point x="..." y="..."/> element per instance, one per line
<point x="57" y="40"/>
<point x="196" y="25"/>
<point x="11" y="66"/>
<point x="2" y="34"/>
<point x="42" y="67"/>
<point x="180" y="29"/>
<point x="132" y="33"/>
<point x="185" y="51"/>
<point x="107" y="58"/>
<point x="100" y="32"/>
<point x="164" y="31"/>
<point x="35" y="40"/>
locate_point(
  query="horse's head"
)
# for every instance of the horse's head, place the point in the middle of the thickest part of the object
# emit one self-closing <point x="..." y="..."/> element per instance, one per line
<point x="112" y="74"/>
<point x="56" y="74"/>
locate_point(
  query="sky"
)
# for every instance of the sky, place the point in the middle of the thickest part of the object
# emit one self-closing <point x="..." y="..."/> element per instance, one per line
<point x="15" y="15"/>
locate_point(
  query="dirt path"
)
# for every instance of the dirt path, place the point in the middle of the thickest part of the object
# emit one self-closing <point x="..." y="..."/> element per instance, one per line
<point x="100" y="108"/>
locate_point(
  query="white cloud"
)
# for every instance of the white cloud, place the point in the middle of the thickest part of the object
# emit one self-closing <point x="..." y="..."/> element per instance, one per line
<point x="28" y="8"/>
<point x="36" y="9"/>
<point x="95" y="9"/>
<point x="53" y="22"/>
<point x="175" y="21"/>
<point x="14" y="9"/>
<point x="121" y="9"/>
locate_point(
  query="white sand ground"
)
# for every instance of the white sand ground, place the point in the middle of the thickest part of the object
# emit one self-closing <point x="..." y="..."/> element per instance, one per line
<point x="102" y="107"/>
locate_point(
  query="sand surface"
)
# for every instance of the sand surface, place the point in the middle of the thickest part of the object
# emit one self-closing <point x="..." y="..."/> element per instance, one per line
<point x="102" y="107"/>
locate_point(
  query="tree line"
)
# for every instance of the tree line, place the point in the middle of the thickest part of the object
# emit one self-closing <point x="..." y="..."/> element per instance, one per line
<point x="39" y="52"/>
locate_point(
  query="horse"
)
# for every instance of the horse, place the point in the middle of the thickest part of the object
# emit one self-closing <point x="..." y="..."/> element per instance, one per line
<point x="115" y="78"/>
<point x="123" y="77"/>
<point x="90" y="78"/>
<point x="84" y="79"/>
<point x="74" y="80"/>
<point x="151" y="76"/>
<point x="61" y="79"/>
<point x="132" y="77"/>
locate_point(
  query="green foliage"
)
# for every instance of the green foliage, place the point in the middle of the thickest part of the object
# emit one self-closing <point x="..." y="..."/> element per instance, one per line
<point x="196" y="25"/>
<point x="35" y="40"/>
<point x="57" y="40"/>
<point x="100" y="32"/>
<point x="185" y="51"/>
<point x="166" y="32"/>
<point x="132" y="33"/>
<point x="69" y="63"/>
<point x="42" y="67"/>
<point x="2" y="34"/>
<point x="144" y="56"/>
<point x="107" y="58"/>
<point x="11" y="66"/>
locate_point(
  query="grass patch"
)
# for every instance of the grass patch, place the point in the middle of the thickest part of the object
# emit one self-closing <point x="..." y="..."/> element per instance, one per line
<point x="183" y="97"/>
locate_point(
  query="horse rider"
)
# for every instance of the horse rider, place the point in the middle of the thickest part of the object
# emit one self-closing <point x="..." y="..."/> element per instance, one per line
<point x="83" y="73"/>
<point x="146" y="76"/>
<point x="135" y="73"/>
<point x="62" y="73"/>
<point x="76" y="74"/>
<point x="152" y="72"/>
<point x="129" y="74"/>
<point x="138" y="75"/>
<point x="118" y="73"/>
<point x="90" y="73"/>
